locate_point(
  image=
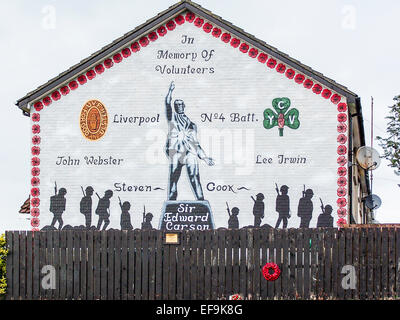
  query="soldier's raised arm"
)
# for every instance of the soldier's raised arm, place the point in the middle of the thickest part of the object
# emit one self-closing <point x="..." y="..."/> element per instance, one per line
<point x="168" y="99"/>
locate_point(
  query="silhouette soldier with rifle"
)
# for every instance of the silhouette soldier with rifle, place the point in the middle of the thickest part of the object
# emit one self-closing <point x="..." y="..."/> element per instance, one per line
<point x="282" y="206"/>
<point x="86" y="205"/>
<point x="57" y="206"/>
<point x="125" y="215"/>
<point x="147" y="217"/>
<point x="305" y="208"/>
<point x="233" y="222"/>
<point x="325" y="219"/>
<point x="258" y="209"/>
<point x="103" y="209"/>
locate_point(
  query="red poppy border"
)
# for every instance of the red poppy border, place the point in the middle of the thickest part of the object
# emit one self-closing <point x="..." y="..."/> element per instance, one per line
<point x="216" y="33"/>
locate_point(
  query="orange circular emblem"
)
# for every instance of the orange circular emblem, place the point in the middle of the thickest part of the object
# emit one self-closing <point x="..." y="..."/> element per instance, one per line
<point x="93" y="120"/>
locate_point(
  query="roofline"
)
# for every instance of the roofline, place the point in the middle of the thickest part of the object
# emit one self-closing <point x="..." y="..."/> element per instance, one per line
<point x="158" y="20"/>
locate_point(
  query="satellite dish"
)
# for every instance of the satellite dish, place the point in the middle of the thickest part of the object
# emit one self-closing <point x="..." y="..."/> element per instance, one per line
<point x="372" y="201"/>
<point x="368" y="158"/>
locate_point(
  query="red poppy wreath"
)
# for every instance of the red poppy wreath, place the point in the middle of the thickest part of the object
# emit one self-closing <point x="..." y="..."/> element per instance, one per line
<point x="271" y="276"/>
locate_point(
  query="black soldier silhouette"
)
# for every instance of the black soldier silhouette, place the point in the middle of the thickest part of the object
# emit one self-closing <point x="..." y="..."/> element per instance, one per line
<point x="325" y="219"/>
<point x="282" y="206"/>
<point x="57" y="206"/>
<point x="146" y="224"/>
<point x="86" y="205"/>
<point x="233" y="221"/>
<point x="258" y="209"/>
<point x="305" y="208"/>
<point x="103" y="209"/>
<point x="183" y="148"/>
<point x="125" y="215"/>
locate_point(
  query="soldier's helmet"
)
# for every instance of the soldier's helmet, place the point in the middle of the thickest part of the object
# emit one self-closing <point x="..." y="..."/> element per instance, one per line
<point x="108" y="194"/>
<point x="126" y="205"/>
<point x="89" y="188"/>
<point x="260" y="196"/>
<point x="149" y="216"/>
<point x="235" y="211"/>
<point x="62" y="191"/>
<point x="284" y="188"/>
<point x="309" y="193"/>
<point x="328" y="209"/>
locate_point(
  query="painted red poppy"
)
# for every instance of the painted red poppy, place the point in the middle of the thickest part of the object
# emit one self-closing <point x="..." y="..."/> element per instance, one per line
<point x="341" y="192"/>
<point x="171" y="25"/>
<point x="144" y="41"/>
<point x="64" y="90"/>
<point x="162" y="31"/>
<point x="271" y="63"/>
<point x="35" y="181"/>
<point x="342" y="212"/>
<point x="82" y="80"/>
<point x="235" y="42"/>
<point x="326" y="93"/>
<point x="126" y="52"/>
<point x="135" y="47"/>
<point x="36" y="117"/>
<point x="99" y="68"/>
<point x="190" y="17"/>
<point x="73" y="85"/>
<point x="198" y="22"/>
<point x="56" y="95"/>
<point x="36" y="140"/>
<point x="262" y="57"/>
<point x="342" y="128"/>
<point x="35" y="129"/>
<point x="341" y="161"/>
<point x="118" y="57"/>
<point x="341" y="202"/>
<point x="280" y="68"/>
<point x="91" y="74"/>
<point x="153" y="36"/>
<point x="35" y="171"/>
<point x="35" y="151"/>
<point x="317" y="88"/>
<point x="342" y="139"/>
<point x="35" y="192"/>
<point x="35" y="162"/>
<point x="216" y="32"/>
<point x="290" y="73"/>
<point x="342" y="171"/>
<point x="341" y="222"/>
<point x="299" y="78"/>
<point x="342" y="107"/>
<point x="335" y="98"/>
<point x="180" y="20"/>
<point x="253" y="53"/>
<point x="38" y="106"/>
<point x="342" y="150"/>
<point x="342" y="117"/>
<point x="47" y="101"/>
<point x="308" y="83"/>
<point x="35" y="212"/>
<point x="207" y="27"/>
<point x="244" y="47"/>
<point x="226" y="37"/>
<point x="35" y="222"/>
<point x="342" y="181"/>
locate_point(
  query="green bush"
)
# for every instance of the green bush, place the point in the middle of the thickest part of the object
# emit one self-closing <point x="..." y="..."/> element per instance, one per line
<point x="3" y="257"/>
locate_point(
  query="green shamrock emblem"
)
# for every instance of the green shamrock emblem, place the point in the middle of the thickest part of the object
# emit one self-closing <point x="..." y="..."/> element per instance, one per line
<point x="282" y="117"/>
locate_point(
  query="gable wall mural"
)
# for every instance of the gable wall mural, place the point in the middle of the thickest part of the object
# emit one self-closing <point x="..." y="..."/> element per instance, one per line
<point x="189" y="127"/>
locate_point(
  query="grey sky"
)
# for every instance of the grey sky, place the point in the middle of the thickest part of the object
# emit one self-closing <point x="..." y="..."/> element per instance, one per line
<point x="353" y="42"/>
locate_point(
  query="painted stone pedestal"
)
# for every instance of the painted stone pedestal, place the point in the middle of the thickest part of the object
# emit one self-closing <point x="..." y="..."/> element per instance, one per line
<point x="186" y="215"/>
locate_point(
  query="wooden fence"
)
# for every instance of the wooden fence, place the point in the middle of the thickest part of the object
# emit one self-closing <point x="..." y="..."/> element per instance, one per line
<point x="205" y="265"/>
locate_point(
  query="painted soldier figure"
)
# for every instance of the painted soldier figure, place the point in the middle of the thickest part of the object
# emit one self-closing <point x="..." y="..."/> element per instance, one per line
<point x="146" y="224"/>
<point x="103" y="209"/>
<point x="282" y="206"/>
<point x="126" y="216"/>
<point x="305" y="208"/>
<point x="258" y="209"/>
<point x="183" y="148"/>
<point x="86" y="206"/>
<point x="325" y="219"/>
<point x="57" y="207"/>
